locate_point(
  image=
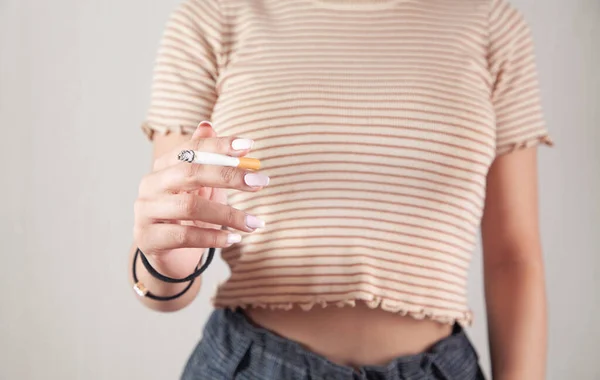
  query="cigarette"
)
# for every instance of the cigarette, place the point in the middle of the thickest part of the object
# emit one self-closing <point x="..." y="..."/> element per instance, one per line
<point x="207" y="158"/>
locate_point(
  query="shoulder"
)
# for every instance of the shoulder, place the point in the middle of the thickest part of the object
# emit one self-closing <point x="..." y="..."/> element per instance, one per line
<point x="503" y="11"/>
<point x="488" y="8"/>
<point x="198" y="8"/>
<point x="461" y="5"/>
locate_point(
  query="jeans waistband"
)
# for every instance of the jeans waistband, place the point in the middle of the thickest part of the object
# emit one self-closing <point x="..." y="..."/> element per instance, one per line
<point x="449" y="358"/>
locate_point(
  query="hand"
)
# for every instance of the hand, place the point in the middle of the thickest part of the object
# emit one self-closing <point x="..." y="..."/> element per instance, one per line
<point x="181" y="206"/>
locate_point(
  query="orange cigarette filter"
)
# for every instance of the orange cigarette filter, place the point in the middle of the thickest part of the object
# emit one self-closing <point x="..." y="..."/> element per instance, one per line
<point x="249" y="163"/>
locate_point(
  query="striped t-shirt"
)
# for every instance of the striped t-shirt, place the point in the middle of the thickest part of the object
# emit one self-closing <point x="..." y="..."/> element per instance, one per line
<point x="377" y="122"/>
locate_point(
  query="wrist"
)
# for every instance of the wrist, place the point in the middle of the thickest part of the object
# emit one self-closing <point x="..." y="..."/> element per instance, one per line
<point x="146" y="282"/>
<point x="175" y="264"/>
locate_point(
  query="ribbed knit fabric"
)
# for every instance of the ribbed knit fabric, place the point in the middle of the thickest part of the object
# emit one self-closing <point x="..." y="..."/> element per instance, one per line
<point x="377" y="122"/>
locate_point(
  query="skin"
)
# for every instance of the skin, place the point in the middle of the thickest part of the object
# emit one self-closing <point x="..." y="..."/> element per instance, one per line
<point x="181" y="209"/>
<point x="354" y="336"/>
<point x="513" y="269"/>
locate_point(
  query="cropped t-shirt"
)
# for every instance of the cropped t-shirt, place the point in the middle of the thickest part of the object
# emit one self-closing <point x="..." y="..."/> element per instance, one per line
<point x="377" y="122"/>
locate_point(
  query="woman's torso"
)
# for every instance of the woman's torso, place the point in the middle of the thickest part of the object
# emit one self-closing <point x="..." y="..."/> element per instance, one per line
<point x="376" y="127"/>
<point x="347" y="94"/>
<point x="375" y="122"/>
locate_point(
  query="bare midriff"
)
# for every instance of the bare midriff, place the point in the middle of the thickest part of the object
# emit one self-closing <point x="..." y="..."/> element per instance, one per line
<point x="352" y="336"/>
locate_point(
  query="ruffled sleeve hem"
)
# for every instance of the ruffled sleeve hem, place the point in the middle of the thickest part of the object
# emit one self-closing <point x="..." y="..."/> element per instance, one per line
<point x="543" y="139"/>
<point x="151" y="129"/>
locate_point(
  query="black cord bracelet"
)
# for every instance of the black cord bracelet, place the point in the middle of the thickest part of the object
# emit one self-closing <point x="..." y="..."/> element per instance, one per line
<point x="142" y="291"/>
<point x="197" y="272"/>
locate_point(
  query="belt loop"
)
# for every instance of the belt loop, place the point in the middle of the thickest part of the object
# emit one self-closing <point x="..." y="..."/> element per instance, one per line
<point x="427" y="363"/>
<point x="439" y="372"/>
<point x="239" y="359"/>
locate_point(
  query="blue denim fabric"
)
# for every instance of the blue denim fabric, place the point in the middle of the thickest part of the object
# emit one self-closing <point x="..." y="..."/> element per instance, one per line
<point x="234" y="349"/>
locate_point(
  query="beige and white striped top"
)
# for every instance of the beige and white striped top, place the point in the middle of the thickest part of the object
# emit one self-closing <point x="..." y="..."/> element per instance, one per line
<point x="377" y="122"/>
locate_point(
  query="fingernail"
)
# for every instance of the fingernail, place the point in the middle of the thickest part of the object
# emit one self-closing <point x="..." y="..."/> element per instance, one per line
<point x="234" y="238"/>
<point x="253" y="222"/>
<point x="199" y="128"/>
<point x="242" y="144"/>
<point x="256" y="179"/>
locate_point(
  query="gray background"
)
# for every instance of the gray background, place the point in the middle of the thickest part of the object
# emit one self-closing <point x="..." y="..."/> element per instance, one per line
<point x="74" y="86"/>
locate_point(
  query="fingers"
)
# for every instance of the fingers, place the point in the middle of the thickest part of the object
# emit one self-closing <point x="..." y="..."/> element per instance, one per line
<point x="192" y="207"/>
<point x="164" y="237"/>
<point x="204" y="130"/>
<point x="172" y="194"/>
<point x="207" y="142"/>
<point x="189" y="177"/>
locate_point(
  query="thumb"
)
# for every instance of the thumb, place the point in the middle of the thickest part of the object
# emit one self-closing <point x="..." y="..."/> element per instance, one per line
<point x="204" y="130"/>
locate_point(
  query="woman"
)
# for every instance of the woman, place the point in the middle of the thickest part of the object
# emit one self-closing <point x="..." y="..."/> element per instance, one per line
<point x="388" y="131"/>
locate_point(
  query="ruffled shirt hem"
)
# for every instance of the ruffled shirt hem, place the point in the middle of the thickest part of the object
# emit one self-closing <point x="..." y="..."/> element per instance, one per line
<point x="464" y="318"/>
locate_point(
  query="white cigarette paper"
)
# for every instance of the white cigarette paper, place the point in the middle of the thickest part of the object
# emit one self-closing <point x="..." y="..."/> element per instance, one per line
<point x="208" y="158"/>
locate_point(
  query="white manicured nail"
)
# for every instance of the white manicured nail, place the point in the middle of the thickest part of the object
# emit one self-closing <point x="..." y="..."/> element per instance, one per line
<point x="234" y="238"/>
<point x="242" y="144"/>
<point x="253" y="222"/>
<point x="256" y="179"/>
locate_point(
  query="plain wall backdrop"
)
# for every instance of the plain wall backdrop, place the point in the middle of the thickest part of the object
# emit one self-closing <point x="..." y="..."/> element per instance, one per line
<point x="74" y="86"/>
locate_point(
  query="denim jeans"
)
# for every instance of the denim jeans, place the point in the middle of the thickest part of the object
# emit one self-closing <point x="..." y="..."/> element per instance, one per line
<point x="234" y="349"/>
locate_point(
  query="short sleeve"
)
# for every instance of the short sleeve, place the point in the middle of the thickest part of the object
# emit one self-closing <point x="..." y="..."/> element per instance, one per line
<point x="186" y="69"/>
<point x="515" y="94"/>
